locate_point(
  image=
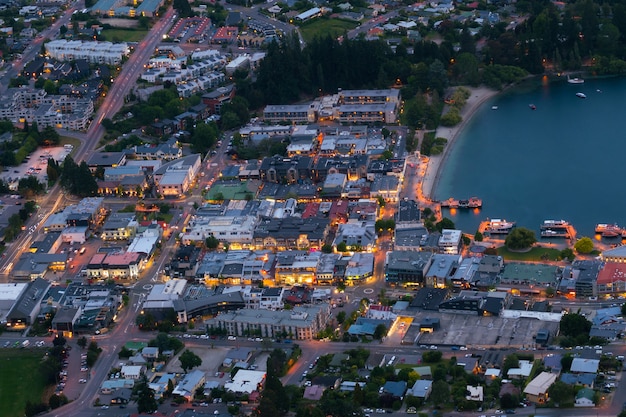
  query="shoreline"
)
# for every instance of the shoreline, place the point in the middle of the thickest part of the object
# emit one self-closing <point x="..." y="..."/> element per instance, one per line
<point x="478" y="96"/>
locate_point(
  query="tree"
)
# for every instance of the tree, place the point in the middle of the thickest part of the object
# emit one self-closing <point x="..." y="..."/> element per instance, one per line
<point x="560" y="392"/>
<point x="444" y="223"/>
<point x="509" y="400"/>
<point x="342" y="247"/>
<point x="478" y="237"/>
<point x="623" y="309"/>
<point x="59" y="340"/>
<point x="327" y="248"/>
<point x="380" y="332"/>
<point x="211" y="243"/>
<point x="82" y="342"/>
<point x="189" y="360"/>
<point x="146" y="403"/>
<point x="584" y="245"/>
<point x="341" y="317"/>
<point x="440" y="392"/>
<point x="573" y="325"/>
<point x="520" y="238"/>
<point x="568" y="254"/>
<point x="432" y="356"/>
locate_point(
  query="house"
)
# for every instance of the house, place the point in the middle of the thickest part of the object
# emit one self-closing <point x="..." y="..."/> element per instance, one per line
<point x="150" y="352"/>
<point x="132" y="371"/>
<point x="474" y="393"/>
<point x="314" y="392"/>
<point x="584" y="398"/>
<point x="421" y="389"/>
<point x="190" y="383"/>
<point x="394" y="389"/>
<point x="583" y="365"/>
<point x="237" y="355"/>
<point x="246" y="382"/>
<point x="328" y="381"/>
<point x="137" y="359"/>
<point x="121" y="396"/>
<point x="584" y="380"/>
<point x="537" y="390"/>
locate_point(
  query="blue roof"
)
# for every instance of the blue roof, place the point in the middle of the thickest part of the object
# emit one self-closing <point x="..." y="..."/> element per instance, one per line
<point x="104" y="5"/>
<point x="395" y="388"/>
<point x="149" y="6"/>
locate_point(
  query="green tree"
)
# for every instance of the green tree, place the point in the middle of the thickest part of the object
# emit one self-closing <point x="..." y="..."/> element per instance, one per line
<point x="568" y="254"/>
<point x="380" y="331"/>
<point x="478" y="237"/>
<point x="560" y="392"/>
<point x="574" y="324"/>
<point x="82" y="342"/>
<point x="146" y="403"/>
<point x="520" y="238"/>
<point x="584" y="245"/>
<point x="440" y="393"/>
<point x="341" y="317"/>
<point x="189" y="360"/>
<point x="623" y="309"/>
<point x="444" y="223"/>
<point x="327" y="248"/>
<point x="211" y="243"/>
<point x="342" y="247"/>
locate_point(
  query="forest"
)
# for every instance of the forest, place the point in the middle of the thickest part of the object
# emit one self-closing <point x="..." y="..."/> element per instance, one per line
<point x="584" y="35"/>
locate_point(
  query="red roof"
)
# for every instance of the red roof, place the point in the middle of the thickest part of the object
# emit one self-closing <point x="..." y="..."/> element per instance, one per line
<point x="612" y="272"/>
<point x="310" y="210"/>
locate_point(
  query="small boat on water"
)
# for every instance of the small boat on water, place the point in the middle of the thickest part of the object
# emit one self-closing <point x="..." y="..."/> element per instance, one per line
<point x="549" y="224"/>
<point x="581" y="95"/>
<point x="494" y="107"/>
<point x="498" y="226"/>
<point x="575" y="80"/>
<point x="532" y="107"/>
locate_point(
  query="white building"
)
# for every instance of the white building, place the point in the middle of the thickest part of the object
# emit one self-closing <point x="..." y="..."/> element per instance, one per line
<point x="450" y="241"/>
<point x="93" y="51"/>
<point x="246" y="382"/>
<point x="231" y="229"/>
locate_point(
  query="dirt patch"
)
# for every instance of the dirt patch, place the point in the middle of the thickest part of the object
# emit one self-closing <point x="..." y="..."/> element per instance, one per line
<point x="120" y="23"/>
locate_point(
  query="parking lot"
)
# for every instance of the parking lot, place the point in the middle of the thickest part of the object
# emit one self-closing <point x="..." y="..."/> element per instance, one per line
<point x="35" y="165"/>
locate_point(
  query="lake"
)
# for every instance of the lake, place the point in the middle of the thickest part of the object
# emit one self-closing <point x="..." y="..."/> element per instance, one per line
<point x="564" y="160"/>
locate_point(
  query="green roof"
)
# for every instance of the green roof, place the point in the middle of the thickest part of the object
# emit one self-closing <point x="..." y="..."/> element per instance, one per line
<point x="525" y="274"/>
<point x="230" y="190"/>
<point x="135" y="346"/>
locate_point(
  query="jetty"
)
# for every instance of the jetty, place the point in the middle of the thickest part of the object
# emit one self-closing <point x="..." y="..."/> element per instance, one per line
<point x="470" y="203"/>
<point x="557" y="228"/>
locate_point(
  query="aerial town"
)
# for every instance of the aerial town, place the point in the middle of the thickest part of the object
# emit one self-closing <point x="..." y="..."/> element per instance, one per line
<point x="226" y="209"/>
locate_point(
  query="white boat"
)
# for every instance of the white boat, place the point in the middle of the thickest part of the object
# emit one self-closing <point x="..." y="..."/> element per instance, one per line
<point x="575" y="80"/>
<point x="581" y="95"/>
<point x="499" y="226"/>
<point x="494" y="107"/>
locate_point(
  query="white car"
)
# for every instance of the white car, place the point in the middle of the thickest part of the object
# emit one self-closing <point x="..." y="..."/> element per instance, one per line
<point x="433" y="347"/>
<point x="82" y="381"/>
<point x="232" y="338"/>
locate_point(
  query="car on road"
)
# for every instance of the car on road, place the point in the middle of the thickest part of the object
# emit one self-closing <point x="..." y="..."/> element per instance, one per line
<point x="105" y="407"/>
<point x="232" y="338"/>
<point x="433" y="347"/>
<point x="82" y="381"/>
<point x="84" y="369"/>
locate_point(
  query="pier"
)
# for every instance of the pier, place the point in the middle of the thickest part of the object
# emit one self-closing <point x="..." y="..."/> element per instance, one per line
<point x="473" y="202"/>
<point x="557" y="228"/>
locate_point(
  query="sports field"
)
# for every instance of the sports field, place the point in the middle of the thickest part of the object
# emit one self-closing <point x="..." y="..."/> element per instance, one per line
<point x="19" y="380"/>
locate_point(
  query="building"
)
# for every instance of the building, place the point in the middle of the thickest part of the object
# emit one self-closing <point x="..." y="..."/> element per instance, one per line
<point x="173" y="179"/>
<point x="585" y="398"/>
<point x="441" y="269"/>
<point x="450" y="241"/>
<point x="302" y="323"/>
<point x="118" y="266"/>
<point x="119" y="226"/>
<point x="189" y="384"/>
<point x="407" y="268"/>
<point x="92" y="51"/>
<point x="537" y="390"/>
<point x="295" y="113"/>
<point x="291" y="233"/>
<point x="24" y="311"/>
<point x="421" y="389"/>
<point x="357" y="235"/>
<point x="246" y="382"/>
<point x="611" y="279"/>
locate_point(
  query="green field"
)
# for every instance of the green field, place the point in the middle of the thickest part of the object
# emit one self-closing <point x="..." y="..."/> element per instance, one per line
<point x="19" y="380"/>
<point x="538" y="253"/>
<point x="124" y="35"/>
<point x="322" y="27"/>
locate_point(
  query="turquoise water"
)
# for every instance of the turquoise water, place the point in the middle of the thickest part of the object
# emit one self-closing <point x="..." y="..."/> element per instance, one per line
<point x="564" y="160"/>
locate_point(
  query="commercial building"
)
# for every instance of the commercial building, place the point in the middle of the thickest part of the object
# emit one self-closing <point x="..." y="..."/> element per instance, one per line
<point x="407" y="268"/>
<point x="303" y="322"/>
<point x="174" y="178"/>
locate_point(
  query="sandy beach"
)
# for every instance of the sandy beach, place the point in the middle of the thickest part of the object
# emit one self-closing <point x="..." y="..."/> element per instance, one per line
<point x="478" y="96"/>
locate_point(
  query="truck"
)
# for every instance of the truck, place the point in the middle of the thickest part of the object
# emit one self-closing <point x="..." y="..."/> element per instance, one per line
<point x="25" y="343"/>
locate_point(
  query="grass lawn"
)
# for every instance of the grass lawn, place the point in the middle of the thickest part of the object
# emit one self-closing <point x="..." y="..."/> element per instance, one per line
<point x="19" y="380"/>
<point x="538" y="253"/>
<point x="124" y="35"/>
<point x="322" y="27"/>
